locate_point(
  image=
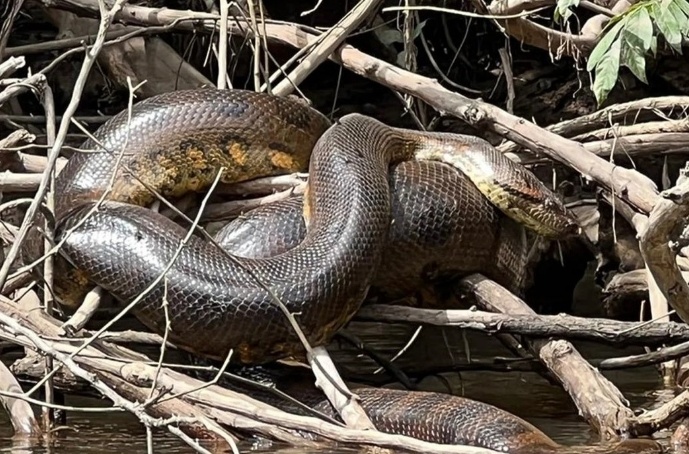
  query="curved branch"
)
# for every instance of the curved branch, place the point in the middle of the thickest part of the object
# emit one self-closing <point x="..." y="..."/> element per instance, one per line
<point x="664" y="222"/>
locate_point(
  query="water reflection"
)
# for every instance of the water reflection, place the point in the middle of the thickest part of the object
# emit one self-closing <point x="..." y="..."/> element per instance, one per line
<point x="523" y="393"/>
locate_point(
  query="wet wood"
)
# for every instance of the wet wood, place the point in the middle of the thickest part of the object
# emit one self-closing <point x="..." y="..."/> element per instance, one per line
<point x="659" y="418"/>
<point x="680" y="437"/>
<point x="20" y="413"/>
<point x="599" y="401"/>
<point x="134" y="378"/>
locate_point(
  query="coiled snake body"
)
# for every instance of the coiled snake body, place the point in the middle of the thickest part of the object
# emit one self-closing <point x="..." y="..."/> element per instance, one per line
<point x="442" y="228"/>
<point x="178" y="142"/>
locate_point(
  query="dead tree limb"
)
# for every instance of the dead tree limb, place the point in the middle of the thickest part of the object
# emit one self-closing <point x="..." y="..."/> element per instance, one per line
<point x="558" y="43"/>
<point x="182" y="395"/>
<point x="640" y="144"/>
<point x="623" y="113"/>
<point x="327" y="43"/>
<point x="661" y="417"/>
<point x="533" y="325"/>
<point x="141" y="58"/>
<point x="11" y="65"/>
<point x="599" y="401"/>
<point x="15" y="138"/>
<point x="664" y="225"/>
<point x="19" y="411"/>
<point x="649" y="127"/>
<point x="8" y="11"/>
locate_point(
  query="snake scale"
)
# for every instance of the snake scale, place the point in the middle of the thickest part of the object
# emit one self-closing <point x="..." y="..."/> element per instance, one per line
<point x="442" y="228"/>
<point x="176" y="143"/>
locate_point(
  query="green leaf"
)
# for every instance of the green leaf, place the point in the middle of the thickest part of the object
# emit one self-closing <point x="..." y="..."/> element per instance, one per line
<point x="563" y="11"/>
<point x="635" y="61"/>
<point x="669" y="27"/>
<point x="683" y="5"/>
<point x="603" y="46"/>
<point x="418" y="29"/>
<point x="637" y="39"/>
<point x="389" y="36"/>
<point x="679" y="16"/>
<point x="606" y="72"/>
<point x="638" y="30"/>
<point x="654" y="46"/>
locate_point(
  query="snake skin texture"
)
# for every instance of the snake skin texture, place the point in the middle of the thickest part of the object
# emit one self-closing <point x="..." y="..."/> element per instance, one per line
<point x="390" y="409"/>
<point x="442" y="228"/>
<point x="178" y="142"/>
<point x="430" y="416"/>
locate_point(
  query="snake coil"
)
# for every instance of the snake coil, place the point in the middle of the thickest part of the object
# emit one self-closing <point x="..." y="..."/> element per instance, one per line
<point x="178" y="142"/>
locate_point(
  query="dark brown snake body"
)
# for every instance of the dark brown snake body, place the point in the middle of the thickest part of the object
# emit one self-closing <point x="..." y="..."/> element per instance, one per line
<point x="429" y="416"/>
<point x="442" y="228"/>
<point x="177" y="142"/>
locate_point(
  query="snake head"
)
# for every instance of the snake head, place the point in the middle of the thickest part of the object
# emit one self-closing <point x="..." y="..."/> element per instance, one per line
<point x="565" y="222"/>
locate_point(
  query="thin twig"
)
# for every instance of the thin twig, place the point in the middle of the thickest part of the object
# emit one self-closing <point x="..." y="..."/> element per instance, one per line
<point x="463" y="13"/>
<point x="257" y="46"/>
<point x="222" y="45"/>
<point x="49" y="108"/>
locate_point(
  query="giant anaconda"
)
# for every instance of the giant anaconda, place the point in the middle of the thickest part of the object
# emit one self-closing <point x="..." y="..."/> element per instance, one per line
<point x="178" y="142"/>
<point x="442" y="228"/>
<point x="428" y="416"/>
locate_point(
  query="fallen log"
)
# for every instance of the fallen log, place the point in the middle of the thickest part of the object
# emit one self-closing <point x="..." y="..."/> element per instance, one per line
<point x="533" y="325"/>
<point x="599" y="401"/>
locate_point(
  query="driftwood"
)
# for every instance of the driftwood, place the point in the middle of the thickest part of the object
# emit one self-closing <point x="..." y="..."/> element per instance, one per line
<point x="597" y="399"/>
<point x="20" y="412"/>
<point x="664" y="416"/>
<point x="662" y="228"/>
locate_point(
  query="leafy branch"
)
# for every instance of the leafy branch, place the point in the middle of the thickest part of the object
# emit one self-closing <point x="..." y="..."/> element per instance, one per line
<point x="628" y="38"/>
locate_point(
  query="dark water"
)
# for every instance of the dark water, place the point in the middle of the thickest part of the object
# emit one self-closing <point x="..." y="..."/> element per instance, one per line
<point x="525" y="394"/>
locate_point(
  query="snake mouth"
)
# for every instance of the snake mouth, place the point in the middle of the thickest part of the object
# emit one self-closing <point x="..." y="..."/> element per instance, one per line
<point x="564" y="226"/>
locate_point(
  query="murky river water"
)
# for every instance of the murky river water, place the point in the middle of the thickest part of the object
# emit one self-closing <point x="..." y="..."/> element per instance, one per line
<point x="525" y="394"/>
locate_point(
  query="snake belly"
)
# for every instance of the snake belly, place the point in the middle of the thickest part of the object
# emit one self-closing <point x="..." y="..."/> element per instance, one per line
<point x="442" y="228"/>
